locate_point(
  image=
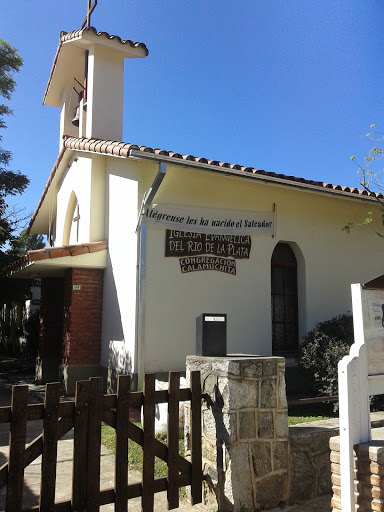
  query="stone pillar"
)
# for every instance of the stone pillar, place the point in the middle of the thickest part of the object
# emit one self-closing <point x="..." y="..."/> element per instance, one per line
<point x="245" y="431"/>
<point x="369" y="474"/>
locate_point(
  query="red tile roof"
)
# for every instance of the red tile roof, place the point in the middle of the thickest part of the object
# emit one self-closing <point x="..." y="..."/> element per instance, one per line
<point x="68" y="36"/>
<point x="122" y="149"/>
<point x="47" y="185"/>
<point x="54" y="252"/>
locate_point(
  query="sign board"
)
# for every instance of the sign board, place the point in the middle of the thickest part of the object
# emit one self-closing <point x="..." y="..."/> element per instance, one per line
<point x="361" y="374"/>
<point x="203" y="220"/>
<point x="187" y="243"/>
<point x="206" y="251"/>
<point x="197" y="263"/>
<point x="373" y="319"/>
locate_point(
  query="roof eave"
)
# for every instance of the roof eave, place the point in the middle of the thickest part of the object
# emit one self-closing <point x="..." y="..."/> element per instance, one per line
<point x="54" y="260"/>
<point x="137" y="154"/>
<point x="126" y="150"/>
<point x="61" y="160"/>
<point x="83" y="39"/>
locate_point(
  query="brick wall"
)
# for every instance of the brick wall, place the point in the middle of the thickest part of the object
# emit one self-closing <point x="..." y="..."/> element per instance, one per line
<point x="369" y="475"/>
<point x="51" y="317"/>
<point x="83" y="294"/>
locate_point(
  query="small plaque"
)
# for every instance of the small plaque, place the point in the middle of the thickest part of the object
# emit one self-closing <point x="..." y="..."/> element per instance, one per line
<point x="76" y="287"/>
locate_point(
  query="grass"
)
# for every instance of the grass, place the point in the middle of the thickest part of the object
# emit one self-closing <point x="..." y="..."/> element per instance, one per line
<point x="135" y="451"/>
<point x="310" y="412"/>
<point x="294" y="420"/>
<point x="296" y="414"/>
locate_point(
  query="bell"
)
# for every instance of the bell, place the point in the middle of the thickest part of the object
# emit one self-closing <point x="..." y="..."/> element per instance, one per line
<point x="75" y="120"/>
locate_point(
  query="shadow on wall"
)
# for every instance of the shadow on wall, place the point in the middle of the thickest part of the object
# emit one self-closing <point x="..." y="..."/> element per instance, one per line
<point x="216" y="482"/>
<point x="115" y="357"/>
<point x="112" y="325"/>
<point x="119" y="363"/>
<point x="245" y="432"/>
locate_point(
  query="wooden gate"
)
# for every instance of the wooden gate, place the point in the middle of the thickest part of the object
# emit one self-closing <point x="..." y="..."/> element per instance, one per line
<point x="86" y="414"/>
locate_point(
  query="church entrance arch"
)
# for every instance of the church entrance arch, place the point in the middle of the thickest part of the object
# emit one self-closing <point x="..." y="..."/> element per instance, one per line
<point x="284" y="298"/>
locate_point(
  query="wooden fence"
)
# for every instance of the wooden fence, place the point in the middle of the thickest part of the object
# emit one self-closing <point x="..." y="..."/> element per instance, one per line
<point x="86" y="414"/>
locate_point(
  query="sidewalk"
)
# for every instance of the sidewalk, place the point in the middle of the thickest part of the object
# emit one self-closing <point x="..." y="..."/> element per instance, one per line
<point x="18" y="372"/>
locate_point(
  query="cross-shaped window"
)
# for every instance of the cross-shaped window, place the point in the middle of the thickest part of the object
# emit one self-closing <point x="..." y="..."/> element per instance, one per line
<point x="76" y="219"/>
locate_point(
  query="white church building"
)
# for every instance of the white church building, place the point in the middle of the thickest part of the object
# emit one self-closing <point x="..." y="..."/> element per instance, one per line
<point x="144" y="240"/>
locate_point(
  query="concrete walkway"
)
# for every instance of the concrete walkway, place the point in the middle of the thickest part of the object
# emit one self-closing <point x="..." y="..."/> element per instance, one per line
<point x="14" y="372"/>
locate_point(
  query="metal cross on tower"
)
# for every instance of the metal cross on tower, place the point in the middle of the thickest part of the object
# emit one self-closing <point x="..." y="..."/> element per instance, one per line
<point x="90" y="9"/>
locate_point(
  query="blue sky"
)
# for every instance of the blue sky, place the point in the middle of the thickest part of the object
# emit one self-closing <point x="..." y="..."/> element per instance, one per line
<point x="289" y="86"/>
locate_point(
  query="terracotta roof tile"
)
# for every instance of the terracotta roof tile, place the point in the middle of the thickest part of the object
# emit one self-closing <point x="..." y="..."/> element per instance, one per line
<point x="124" y="152"/>
<point x="59" y="252"/>
<point x="54" y="252"/>
<point x="68" y="36"/>
<point x="48" y="184"/>
<point x="161" y="152"/>
<point x="123" y="149"/>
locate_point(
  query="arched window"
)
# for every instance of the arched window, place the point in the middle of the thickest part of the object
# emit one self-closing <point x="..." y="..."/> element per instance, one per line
<point x="71" y="223"/>
<point x="285" y="325"/>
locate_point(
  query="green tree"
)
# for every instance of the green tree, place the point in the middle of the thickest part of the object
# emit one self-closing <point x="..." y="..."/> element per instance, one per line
<point x="11" y="182"/>
<point x="26" y="242"/>
<point x="371" y="178"/>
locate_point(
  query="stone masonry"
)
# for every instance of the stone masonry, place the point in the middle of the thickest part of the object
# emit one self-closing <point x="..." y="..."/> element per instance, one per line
<point x="245" y="431"/>
<point x="369" y="473"/>
<point x="309" y="459"/>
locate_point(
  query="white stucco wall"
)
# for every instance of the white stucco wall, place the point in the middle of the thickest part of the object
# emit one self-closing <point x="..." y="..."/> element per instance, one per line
<point x="329" y="260"/>
<point x="105" y="89"/>
<point x="119" y="300"/>
<point x="110" y="191"/>
<point x="106" y="190"/>
<point x="97" y="226"/>
<point x="77" y="180"/>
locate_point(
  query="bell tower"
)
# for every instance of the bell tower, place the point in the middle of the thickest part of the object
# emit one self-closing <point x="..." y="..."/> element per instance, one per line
<point x="87" y="82"/>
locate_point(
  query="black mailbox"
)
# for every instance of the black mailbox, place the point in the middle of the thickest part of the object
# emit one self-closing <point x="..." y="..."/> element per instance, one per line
<point x="211" y="335"/>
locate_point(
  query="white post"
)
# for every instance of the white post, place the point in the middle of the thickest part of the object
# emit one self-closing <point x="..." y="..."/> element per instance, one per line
<point x="354" y="410"/>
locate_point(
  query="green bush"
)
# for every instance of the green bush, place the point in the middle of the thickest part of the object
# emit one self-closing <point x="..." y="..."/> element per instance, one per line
<point x="323" y="348"/>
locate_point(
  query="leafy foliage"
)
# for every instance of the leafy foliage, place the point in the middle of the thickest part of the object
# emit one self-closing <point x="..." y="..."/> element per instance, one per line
<point x="11" y="182"/>
<point x="371" y="179"/>
<point x="26" y="242"/>
<point x="9" y="61"/>
<point x="323" y="348"/>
